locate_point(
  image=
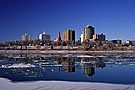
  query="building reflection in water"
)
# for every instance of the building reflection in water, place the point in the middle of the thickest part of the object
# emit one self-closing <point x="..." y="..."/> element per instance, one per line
<point x="59" y="61"/>
<point x="89" y="65"/>
<point x="68" y="64"/>
<point x="100" y="65"/>
<point x="89" y="70"/>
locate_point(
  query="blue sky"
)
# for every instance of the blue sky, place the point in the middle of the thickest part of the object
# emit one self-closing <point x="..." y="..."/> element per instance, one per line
<point x="114" y="18"/>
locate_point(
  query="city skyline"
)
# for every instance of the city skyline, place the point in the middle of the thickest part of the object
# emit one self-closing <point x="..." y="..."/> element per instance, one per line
<point x="114" y="18"/>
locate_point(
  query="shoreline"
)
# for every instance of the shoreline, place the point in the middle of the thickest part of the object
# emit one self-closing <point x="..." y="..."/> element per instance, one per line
<point x="60" y="85"/>
<point x="60" y="51"/>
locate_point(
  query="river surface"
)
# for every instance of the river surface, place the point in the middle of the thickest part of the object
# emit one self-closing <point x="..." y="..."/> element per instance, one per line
<point x="116" y="68"/>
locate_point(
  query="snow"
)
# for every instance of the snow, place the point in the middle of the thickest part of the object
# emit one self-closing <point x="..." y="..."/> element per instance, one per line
<point x="60" y="85"/>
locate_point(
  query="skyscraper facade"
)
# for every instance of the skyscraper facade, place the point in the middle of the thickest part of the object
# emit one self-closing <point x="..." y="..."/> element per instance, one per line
<point x="88" y="32"/>
<point x="69" y="35"/>
<point x="26" y="37"/>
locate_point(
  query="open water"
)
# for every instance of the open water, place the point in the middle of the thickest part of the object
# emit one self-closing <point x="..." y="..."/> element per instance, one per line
<point x="94" y="67"/>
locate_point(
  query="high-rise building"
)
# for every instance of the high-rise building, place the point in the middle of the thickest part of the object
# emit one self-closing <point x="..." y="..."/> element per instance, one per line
<point x="44" y="36"/>
<point x="88" y="32"/>
<point x="99" y="37"/>
<point x="26" y="37"/>
<point x="69" y="35"/>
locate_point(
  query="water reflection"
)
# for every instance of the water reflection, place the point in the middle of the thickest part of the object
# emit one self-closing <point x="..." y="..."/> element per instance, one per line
<point x="30" y="67"/>
<point x="89" y="70"/>
<point x="68" y="64"/>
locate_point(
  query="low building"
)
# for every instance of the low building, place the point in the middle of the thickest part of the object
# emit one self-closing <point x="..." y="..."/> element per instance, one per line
<point x="44" y="36"/>
<point x="82" y="38"/>
<point x="26" y="37"/>
<point x="99" y="37"/>
<point x="116" y="41"/>
<point x="128" y="43"/>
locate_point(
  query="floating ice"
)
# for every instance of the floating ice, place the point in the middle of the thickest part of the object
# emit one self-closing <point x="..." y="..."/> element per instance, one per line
<point x="18" y="66"/>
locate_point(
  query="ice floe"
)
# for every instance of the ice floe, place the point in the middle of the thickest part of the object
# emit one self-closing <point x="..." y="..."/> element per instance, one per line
<point x="17" y="66"/>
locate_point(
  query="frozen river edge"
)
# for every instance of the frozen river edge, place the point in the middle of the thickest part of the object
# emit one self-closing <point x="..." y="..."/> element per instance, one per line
<point x="6" y="84"/>
<point x="59" y="51"/>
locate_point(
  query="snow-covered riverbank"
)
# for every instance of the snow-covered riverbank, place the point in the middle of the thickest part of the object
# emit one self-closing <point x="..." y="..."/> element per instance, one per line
<point x="61" y="85"/>
<point x="58" y="51"/>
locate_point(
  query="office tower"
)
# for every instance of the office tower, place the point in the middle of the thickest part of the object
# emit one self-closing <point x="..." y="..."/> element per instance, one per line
<point x="26" y="37"/>
<point x="88" y="32"/>
<point x="44" y="36"/>
<point x="59" y="38"/>
<point x="69" y="35"/>
<point x="99" y="37"/>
